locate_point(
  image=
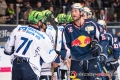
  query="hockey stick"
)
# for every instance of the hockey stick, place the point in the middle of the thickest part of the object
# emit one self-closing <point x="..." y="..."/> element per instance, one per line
<point x="104" y="69"/>
<point x="49" y="19"/>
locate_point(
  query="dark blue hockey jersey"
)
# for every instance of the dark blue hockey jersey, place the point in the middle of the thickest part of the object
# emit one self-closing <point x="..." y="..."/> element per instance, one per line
<point x="113" y="42"/>
<point x="77" y="40"/>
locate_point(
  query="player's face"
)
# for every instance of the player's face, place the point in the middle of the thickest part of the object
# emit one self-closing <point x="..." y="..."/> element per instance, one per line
<point x="39" y="23"/>
<point x="44" y="27"/>
<point x="85" y="15"/>
<point x="75" y="14"/>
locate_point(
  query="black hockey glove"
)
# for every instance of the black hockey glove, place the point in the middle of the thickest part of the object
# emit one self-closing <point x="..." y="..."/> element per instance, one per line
<point x="57" y="52"/>
<point x="114" y="64"/>
<point x="96" y="50"/>
<point x="93" y="42"/>
<point x="110" y="50"/>
<point x="102" y="58"/>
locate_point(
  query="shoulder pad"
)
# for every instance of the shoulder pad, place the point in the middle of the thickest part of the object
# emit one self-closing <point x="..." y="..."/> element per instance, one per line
<point x="90" y="19"/>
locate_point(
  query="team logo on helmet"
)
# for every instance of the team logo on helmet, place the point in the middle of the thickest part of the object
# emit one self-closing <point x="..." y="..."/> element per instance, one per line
<point x="78" y="6"/>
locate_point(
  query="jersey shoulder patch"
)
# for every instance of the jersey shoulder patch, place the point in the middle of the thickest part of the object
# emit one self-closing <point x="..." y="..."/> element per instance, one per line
<point x="50" y="27"/>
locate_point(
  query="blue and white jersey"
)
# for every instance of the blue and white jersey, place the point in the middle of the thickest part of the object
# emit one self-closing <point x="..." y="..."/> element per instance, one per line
<point x="50" y="31"/>
<point x="28" y="42"/>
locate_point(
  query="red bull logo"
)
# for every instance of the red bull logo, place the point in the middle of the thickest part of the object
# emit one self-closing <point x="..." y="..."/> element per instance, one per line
<point x="73" y="74"/>
<point x="81" y="41"/>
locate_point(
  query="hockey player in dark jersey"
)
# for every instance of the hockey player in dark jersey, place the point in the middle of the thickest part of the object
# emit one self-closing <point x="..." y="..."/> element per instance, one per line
<point x="77" y="43"/>
<point x="113" y="51"/>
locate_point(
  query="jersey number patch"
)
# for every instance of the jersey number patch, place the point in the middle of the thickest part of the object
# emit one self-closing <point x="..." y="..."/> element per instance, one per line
<point x="25" y="41"/>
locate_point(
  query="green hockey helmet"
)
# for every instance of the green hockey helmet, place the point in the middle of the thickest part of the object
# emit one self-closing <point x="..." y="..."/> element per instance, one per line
<point x="69" y="18"/>
<point x="61" y="18"/>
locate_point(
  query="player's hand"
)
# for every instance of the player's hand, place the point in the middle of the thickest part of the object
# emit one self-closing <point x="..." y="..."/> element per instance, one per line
<point x="54" y="64"/>
<point x="114" y="64"/>
<point x="60" y="59"/>
<point x="102" y="59"/>
<point x="96" y="50"/>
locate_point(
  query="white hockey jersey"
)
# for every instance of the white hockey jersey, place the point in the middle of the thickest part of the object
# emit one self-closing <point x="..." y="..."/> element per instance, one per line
<point x="31" y="44"/>
<point x="50" y="31"/>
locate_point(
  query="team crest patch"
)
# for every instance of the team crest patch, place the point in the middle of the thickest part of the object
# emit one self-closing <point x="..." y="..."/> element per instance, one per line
<point x="70" y="29"/>
<point x="89" y="28"/>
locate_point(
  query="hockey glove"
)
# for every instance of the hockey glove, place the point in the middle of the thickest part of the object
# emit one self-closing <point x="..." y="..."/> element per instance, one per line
<point x="57" y="52"/>
<point x="96" y="50"/>
<point x="110" y="50"/>
<point x="93" y="42"/>
<point x="114" y="64"/>
<point x="102" y="58"/>
<point x="12" y="51"/>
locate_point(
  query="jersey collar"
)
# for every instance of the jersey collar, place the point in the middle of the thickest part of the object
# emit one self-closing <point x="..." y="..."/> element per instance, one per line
<point x="34" y="27"/>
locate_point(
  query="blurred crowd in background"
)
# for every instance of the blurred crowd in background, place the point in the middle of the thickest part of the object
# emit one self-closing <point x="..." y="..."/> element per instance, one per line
<point x="100" y="9"/>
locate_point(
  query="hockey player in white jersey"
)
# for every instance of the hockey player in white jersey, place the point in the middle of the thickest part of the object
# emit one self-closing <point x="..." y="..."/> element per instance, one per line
<point x="50" y="31"/>
<point x="65" y="65"/>
<point x="61" y="20"/>
<point x="30" y="49"/>
<point x="46" y="67"/>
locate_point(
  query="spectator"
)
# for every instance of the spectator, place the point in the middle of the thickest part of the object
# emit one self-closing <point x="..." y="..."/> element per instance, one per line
<point x="94" y="15"/>
<point x="3" y="19"/>
<point x="67" y="5"/>
<point x="10" y="19"/>
<point x="3" y="7"/>
<point x="26" y="13"/>
<point x="39" y="6"/>
<point x="21" y="3"/>
<point x="48" y="4"/>
<point x="114" y="18"/>
<point x="27" y="6"/>
<point x="52" y="10"/>
<point x="88" y="4"/>
<point x="10" y="9"/>
<point x="21" y="16"/>
<point x="57" y="6"/>
<point x="116" y="5"/>
<point x="107" y="12"/>
<point x="102" y="15"/>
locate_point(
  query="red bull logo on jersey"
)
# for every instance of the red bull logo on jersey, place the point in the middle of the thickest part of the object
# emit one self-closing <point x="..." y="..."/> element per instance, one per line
<point x="81" y="41"/>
